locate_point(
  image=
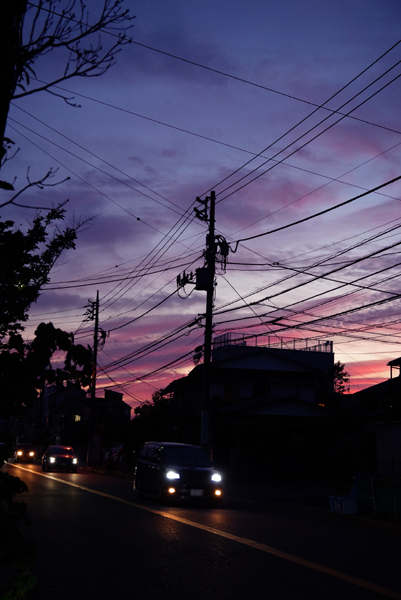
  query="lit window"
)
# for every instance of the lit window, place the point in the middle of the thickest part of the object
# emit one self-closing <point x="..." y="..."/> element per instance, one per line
<point x="77" y="417"/>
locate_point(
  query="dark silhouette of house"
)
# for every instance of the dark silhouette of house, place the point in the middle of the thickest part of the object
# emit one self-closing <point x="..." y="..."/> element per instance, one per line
<point x="265" y="407"/>
<point x="376" y="413"/>
<point x="62" y="415"/>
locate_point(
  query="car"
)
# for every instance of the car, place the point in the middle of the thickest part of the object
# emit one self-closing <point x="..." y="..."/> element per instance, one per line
<point x="25" y="453"/>
<point x="60" y="458"/>
<point x="173" y="471"/>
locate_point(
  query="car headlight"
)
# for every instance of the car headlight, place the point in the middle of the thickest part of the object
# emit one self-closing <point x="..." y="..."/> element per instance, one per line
<point x="172" y="475"/>
<point x="216" y="477"/>
<point x="19" y="453"/>
<point x="32" y="454"/>
<point x="74" y="461"/>
<point x="52" y="459"/>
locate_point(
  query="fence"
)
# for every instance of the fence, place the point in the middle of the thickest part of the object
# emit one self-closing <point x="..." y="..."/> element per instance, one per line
<point x="371" y="495"/>
<point x="272" y="341"/>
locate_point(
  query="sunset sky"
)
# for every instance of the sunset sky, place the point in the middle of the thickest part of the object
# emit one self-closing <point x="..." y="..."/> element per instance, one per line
<point x="286" y="108"/>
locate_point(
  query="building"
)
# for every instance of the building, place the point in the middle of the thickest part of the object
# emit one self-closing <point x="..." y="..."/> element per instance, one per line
<point x="263" y="404"/>
<point x="376" y="413"/>
<point x="64" y="415"/>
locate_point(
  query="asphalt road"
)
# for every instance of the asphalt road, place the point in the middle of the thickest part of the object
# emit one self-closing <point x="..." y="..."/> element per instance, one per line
<point x="98" y="541"/>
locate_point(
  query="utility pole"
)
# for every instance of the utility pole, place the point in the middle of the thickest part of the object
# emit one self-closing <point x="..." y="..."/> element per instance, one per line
<point x="217" y="250"/>
<point x="211" y="266"/>
<point x="95" y="346"/>
<point x="93" y="314"/>
<point x="210" y="256"/>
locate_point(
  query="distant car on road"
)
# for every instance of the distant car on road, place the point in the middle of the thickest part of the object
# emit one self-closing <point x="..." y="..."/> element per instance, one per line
<point x="25" y="453"/>
<point x="172" y="471"/>
<point x="60" y="458"/>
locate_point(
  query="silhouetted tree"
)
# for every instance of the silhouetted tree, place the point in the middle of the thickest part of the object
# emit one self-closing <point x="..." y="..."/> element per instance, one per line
<point x="31" y="30"/>
<point x="25" y="368"/>
<point x="26" y="259"/>
<point x="340" y="378"/>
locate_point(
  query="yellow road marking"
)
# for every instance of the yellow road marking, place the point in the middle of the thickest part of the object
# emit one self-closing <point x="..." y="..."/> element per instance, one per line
<point x="241" y="540"/>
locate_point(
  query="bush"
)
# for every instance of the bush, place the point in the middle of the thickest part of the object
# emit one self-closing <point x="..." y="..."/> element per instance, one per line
<point x="15" y="552"/>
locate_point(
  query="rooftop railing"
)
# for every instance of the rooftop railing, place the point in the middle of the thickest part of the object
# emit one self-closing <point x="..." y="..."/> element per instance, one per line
<point x="270" y="341"/>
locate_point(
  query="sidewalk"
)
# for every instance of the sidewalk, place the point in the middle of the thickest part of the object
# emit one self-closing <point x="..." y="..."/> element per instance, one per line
<point x="273" y="491"/>
<point x="303" y="496"/>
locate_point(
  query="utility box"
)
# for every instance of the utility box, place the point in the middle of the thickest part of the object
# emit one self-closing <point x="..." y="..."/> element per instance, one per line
<point x="202" y="279"/>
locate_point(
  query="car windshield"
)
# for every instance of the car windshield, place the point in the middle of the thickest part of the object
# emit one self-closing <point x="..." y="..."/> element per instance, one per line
<point x="61" y="450"/>
<point x="185" y="456"/>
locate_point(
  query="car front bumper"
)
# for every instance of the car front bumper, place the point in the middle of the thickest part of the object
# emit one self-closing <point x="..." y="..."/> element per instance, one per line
<point x="186" y="492"/>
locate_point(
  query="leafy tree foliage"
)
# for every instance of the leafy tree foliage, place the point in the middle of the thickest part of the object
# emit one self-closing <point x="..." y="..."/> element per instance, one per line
<point x="26" y="259"/>
<point x="341" y="379"/>
<point x="15" y="551"/>
<point x="25" y="368"/>
<point x="25" y="263"/>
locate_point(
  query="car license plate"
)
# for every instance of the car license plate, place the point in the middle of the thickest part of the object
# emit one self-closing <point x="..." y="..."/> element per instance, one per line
<point x="196" y="492"/>
<point x="64" y="464"/>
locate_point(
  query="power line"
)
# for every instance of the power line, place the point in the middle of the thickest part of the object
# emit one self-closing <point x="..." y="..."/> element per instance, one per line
<point x="64" y="285"/>
<point x="299" y="138"/>
<point x="330" y="180"/>
<point x="319" y="214"/>
<point x="94" y="167"/>
<point x="199" y="135"/>
<point x="102" y="160"/>
<point x="219" y="72"/>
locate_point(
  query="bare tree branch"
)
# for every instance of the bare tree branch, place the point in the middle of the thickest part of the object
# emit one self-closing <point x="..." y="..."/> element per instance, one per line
<point x="30" y="30"/>
<point x="52" y="30"/>
<point x="41" y="184"/>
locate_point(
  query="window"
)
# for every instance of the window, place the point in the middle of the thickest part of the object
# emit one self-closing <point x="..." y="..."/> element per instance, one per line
<point x="153" y="454"/>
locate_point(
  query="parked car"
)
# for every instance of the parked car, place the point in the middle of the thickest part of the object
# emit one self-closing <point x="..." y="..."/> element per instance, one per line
<point x="25" y="453"/>
<point x="172" y="471"/>
<point x="60" y="458"/>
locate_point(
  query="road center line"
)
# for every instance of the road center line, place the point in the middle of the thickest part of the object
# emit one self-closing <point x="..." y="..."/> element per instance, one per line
<point x="241" y="540"/>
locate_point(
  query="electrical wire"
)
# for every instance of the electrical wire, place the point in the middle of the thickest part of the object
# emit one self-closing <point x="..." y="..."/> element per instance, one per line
<point x="320" y="213"/>
<point x="298" y="139"/>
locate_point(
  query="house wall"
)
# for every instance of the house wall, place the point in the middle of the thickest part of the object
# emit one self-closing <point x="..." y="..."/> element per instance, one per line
<point x="388" y="444"/>
<point x="303" y="391"/>
<point x="230" y="391"/>
<point x="275" y="359"/>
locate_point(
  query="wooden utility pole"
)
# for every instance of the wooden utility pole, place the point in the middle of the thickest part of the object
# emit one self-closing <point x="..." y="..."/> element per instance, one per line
<point x="95" y="346"/>
<point x="94" y="315"/>
<point x="211" y="266"/>
<point x="207" y="356"/>
<point x="217" y="249"/>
